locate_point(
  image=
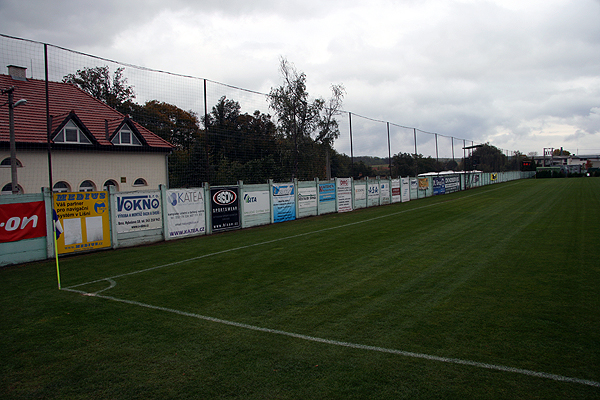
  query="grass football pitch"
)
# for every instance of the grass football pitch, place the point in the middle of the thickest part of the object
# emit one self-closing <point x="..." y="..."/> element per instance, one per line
<point x="491" y="293"/>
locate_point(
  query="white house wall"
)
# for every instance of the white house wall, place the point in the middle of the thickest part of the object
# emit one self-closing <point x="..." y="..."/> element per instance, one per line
<point x="74" y="167"/>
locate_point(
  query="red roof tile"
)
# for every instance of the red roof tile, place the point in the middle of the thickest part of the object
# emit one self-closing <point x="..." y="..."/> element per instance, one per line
<point x="64" y="98"/>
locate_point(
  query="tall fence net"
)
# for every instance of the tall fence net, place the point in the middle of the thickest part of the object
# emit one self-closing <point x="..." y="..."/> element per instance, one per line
<point x="217" y="133"/>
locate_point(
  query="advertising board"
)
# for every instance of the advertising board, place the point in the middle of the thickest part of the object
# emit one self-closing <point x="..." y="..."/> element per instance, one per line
<point x="82" y="221"/>
<point x="405" y="184"/>
<point x="396" y="191"/>
<point x="138" y="211"/>
<point x="452" y="183"/>
<point x="307" y="197"/>
<point x="22" y="221"/>
<point x="284" y="202"/>
<point x="256" y="203"/>
<point x="225" y="209"/>
<point x="186" y="214"/>
<point x="439" y="185"/>
<point x="344" y="194"/>
<point x="360" y="192"/>
<point x="326" y="192"/>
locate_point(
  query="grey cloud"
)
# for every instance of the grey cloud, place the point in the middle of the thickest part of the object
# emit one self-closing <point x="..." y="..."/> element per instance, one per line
<point x="474" y="70"/>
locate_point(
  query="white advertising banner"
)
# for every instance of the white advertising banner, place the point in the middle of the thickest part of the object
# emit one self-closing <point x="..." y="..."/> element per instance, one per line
<point x="405" y="189"/>
<point x="186" y="214"/>
<point x="385" y="190"/>
<point x="307" y="197"/>
<point x="360" y="192"/>
<point x="256" y="203"/>
<point x="138" y="211"/>
<point x="344" y="194"/>
<point x="373" y="195"/>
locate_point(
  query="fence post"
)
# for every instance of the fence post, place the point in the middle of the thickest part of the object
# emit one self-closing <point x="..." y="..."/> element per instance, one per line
<point x="50" y="230"/>
<point x="241" y="203"/>
<point x="165" y="220"/>
<point x="271" y="210"/>
<point x="318" y="202"/>
<point x="207" y="208"/>
<point x="113" y="217"/>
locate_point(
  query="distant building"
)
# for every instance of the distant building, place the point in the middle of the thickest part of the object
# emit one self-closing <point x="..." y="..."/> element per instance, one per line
<point x="571" y="163"/>
<point x="93" y="145"/>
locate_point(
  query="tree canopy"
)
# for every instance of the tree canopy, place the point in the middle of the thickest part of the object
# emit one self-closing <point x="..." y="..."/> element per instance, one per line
<point x="226" y="145"/>
<point x="97" y="81"/>
<point x="307" y="123"/>
<point x="561" y="152"/>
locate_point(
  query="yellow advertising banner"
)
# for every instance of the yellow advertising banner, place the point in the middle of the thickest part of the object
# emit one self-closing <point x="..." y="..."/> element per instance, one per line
<point x="423" y="183"/>
<point x="494" y="176"/>
<point x="83" y="221"/>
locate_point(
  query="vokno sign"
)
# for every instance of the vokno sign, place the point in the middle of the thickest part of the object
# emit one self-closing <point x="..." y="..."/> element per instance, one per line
<point x="138" y="212"/>
<point x="137" y="203"/>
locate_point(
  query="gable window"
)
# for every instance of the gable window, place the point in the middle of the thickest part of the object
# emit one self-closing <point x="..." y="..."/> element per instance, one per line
<point x="126" y="137"/>
<point x="71" y="134"/>
<point x="87" y="186"/>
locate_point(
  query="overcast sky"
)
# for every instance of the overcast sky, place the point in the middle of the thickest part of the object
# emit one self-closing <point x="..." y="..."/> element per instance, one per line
<point x="521" y="74"/>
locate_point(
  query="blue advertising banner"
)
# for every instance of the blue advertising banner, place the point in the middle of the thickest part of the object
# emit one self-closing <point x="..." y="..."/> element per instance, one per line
<point x="326" y="192"/>
<point x="284" y="202"/>
<point x="439" y="185"/>
<point x="452" y="183"/>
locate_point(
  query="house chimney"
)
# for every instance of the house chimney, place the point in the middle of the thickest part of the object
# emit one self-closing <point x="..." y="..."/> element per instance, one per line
<point x="17" y="73"/>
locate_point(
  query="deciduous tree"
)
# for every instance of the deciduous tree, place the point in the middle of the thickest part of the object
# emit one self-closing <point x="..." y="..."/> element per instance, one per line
<point x="301" y="119"/>
<point x="97" y="81"/>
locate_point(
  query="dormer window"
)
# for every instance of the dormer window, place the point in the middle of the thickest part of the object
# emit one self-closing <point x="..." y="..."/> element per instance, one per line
<point x="126" y="137"/>
<point x="71" y="133"/>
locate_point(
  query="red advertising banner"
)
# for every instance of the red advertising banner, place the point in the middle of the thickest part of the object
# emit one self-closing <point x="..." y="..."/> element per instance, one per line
<point x="22" y="221"/>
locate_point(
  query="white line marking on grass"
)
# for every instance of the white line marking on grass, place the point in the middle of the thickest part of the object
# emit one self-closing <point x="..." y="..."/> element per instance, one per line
<point x="274" y="240"/>
<point x="501" y="368"/>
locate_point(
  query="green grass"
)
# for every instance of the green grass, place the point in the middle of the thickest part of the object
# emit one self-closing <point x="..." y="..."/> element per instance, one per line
<point x="505" y="275"/>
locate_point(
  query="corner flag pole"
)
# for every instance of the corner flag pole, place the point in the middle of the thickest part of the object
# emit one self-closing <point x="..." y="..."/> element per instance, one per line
<point x="48" y="133"/>
<point x="54" y="228"/>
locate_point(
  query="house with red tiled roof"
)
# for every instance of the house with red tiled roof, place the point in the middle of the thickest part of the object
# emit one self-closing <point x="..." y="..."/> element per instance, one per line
<point x="92" y="147"/>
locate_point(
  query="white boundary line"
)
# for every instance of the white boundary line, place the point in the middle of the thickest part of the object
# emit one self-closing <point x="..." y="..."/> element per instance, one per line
<point x="277" y="240"/>
<point x="501" y="368"/>
<point x="458" y="361"/>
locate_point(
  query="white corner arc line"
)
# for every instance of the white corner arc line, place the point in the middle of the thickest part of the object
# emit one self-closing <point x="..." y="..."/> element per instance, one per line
<point x="501" y="368"/>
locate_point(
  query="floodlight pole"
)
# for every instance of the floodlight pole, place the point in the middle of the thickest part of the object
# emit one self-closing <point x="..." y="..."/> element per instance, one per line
<point x="13" y="145"/>
<point x="389" y="149"/>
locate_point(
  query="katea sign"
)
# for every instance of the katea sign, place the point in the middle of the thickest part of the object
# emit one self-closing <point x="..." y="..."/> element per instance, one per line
<point x="225" y="208"/>
<point x="185" y="212"/>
